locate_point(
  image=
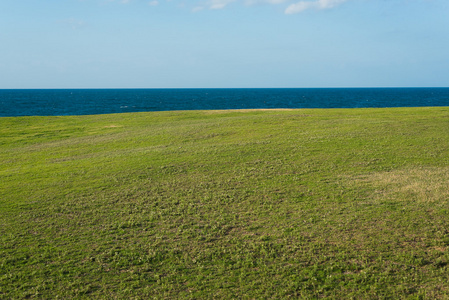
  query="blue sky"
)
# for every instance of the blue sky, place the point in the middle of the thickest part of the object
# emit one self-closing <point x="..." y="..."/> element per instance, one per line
<point x="223" y="43"/>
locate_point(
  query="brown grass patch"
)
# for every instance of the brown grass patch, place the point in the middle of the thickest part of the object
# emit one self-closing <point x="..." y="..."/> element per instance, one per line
<point x="224" y="111"/>
<point x="423" y="184"/>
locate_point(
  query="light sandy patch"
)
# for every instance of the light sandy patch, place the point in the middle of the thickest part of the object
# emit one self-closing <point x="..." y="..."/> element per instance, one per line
<point x="113" y="126"/>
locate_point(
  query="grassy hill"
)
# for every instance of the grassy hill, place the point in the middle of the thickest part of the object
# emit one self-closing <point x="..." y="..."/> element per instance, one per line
<point x="226" y="204"/>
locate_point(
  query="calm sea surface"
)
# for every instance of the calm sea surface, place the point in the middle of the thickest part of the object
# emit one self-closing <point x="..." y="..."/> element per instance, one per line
<point x="103" y="101"/>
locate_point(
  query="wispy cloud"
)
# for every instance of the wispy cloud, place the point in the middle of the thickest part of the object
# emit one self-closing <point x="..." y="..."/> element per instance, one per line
<point x="219" y="4"/>
<point x="291" y="9"/>
<point x="119" y="1"/>
<point x="251" y="2"/>
<point x="318" y="4"/>
<point x="198" y="8"/>
<point x="213" y="4"/>
<point x="291" y="6"/>
<point x="73" y="23"/>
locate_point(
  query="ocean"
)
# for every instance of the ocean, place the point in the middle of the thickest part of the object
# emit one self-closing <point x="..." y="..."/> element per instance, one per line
<point x="59" y="102"/>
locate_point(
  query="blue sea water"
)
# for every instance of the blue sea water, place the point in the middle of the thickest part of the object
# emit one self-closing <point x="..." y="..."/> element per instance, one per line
<point x="55" y="102"/>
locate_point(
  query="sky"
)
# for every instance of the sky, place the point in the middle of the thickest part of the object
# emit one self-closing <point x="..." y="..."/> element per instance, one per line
<point x="223" y="43"/>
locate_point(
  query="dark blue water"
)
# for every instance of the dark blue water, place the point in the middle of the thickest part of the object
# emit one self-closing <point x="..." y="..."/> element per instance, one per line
<point x="104" y="101"/>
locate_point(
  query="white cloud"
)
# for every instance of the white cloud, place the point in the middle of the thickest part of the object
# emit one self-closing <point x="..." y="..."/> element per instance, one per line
<point x="318" y="4"/>
<point x="291" y="7"/>
<point x="251" y="2"/>
<point x="219" y="4"/>
<point x="116" y="1"/>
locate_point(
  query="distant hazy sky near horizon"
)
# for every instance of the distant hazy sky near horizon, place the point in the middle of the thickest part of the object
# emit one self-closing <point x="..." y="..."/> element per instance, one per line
<point x="223" y="43"/>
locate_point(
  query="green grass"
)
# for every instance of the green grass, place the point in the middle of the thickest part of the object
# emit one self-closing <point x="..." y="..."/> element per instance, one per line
<point x="255" y="204"/>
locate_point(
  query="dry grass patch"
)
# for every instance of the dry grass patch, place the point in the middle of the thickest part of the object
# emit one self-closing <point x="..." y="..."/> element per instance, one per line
<point x="245" y="110"/>
<point x="422" y="184"/>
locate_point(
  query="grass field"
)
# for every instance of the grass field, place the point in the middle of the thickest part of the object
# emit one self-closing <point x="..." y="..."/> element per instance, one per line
<point x="253" y="204"/>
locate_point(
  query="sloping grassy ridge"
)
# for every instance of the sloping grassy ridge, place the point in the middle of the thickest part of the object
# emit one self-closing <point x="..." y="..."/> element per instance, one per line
<point x="226" y="204"/>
